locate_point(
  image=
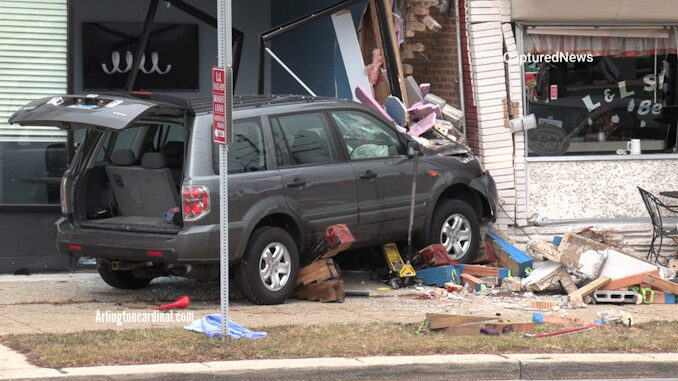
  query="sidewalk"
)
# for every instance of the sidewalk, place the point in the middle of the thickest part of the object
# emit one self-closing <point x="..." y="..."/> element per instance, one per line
<point x="472" y="366"/>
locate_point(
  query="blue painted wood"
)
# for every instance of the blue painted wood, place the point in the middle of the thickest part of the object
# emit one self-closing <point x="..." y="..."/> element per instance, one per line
<point x="438" y="276"/>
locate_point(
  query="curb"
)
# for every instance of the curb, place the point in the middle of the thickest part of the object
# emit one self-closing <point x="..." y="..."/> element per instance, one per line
<point x="468" y="366"/>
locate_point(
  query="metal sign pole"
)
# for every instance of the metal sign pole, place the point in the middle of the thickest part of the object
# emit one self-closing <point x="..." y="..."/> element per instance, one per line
<point x="225" y="54"/>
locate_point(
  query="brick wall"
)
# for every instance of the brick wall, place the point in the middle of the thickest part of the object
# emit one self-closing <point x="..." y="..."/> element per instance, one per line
<point x="438" y="64"/>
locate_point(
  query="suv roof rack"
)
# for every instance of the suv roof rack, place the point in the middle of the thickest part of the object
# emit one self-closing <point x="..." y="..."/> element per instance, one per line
<point x="258" y="100"/>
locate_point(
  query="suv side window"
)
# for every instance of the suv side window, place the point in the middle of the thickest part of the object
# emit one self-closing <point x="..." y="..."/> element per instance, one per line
<point x="304" y="139"/>
<point x="246" y="153"/>
<point x="366" y="137"/>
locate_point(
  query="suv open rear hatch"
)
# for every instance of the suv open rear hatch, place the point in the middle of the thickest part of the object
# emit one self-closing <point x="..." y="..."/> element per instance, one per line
<point x="107" y="112"/>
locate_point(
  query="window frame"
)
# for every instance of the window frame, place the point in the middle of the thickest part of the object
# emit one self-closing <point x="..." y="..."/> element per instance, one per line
<point x="334" y="136"/>
<point x="401" y="138"/>
<point x="520" y="28"/>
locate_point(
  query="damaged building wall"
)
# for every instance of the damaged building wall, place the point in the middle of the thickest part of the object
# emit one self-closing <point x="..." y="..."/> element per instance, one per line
<point x="437" y="64"/>
<point x="493" y="95"/>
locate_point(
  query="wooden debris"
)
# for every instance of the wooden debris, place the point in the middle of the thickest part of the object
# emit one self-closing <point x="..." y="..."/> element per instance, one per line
<point x="543" y="277"/>
<point x="546" y="304"/>
<point x="517" y="328"/>
<point x="469" y="329"/>
<point x="473" y="282"/>
<point x="480" y="271"/>
<point x="577" y="297"/>
<point x="318" y="271"/>
<point x="439" y="320"/>
<point x="431" y="23"/>
<point x="326" y="291"/>
<point x="661" y="284"/>
<point x="567" y="283"/>
<point x="628" y="281"/>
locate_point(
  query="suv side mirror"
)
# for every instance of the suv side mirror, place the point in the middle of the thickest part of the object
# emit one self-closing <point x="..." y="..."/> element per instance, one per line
<point x="412" y="149"/>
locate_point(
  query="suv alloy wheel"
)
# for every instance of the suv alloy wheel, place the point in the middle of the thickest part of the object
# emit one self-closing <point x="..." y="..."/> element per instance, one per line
<point x="267" y="273"/>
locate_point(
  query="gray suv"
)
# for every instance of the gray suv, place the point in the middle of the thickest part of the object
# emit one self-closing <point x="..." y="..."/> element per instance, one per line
<point x="141" y="194"/>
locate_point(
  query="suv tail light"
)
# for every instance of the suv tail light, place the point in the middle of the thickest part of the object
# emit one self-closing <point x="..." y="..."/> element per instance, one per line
<point x="64" y="206"/>
<point x="195" y="202"/>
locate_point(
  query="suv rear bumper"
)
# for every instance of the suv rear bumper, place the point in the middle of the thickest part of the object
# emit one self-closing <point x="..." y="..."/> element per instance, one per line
<point x="194" y="244"/>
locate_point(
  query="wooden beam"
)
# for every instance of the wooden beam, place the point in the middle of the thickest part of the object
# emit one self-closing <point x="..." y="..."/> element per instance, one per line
<point x="628" y="281"/>
<point x="439" y="320"/>
<point x="577" y="297"/>
<point x="661" y="284"/>
<point x="326" y="291"/>
<point x="473" y="282"/>
<point x="517" y="328"/>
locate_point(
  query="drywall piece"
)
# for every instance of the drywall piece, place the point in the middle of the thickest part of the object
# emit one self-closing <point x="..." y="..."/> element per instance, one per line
<point x="542" y="277"/>
<point x="619" y="265"/>
<point x="425" y="88"/>
<point x="421" y="110"/>
<point x="413" y="91"/>
<point x="396" y="109"/>
<point x="451" y="114"/>
<point x="434" y="99"/>
<point x="423" y="125"/>
<point x="365" y="98"/>
<point x="349" y="47"/>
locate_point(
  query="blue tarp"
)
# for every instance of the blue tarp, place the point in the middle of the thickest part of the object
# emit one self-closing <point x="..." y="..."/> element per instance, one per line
<point x="211" y="326"/>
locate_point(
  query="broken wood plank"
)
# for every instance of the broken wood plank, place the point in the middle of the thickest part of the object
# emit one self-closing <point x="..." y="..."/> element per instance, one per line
<point x="577" y="297"/>
<point x="517" y="328"/>
<point x="440" y="320"/>
<point x="511" y="284"/>
<point x="480" y="270"/>
<point x="567" y="283"/>
<point x="469" y="329"/>
<point x="396" y="50"/>
<point x="326" y="291"/>
<point x="320" y="270"/>
<point x="473" y="282"/>
<point x="661" y="284"/>
<point x="627" y="281"/>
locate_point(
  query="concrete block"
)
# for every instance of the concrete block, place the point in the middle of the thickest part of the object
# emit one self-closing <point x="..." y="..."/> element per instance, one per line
<point x="617" y="297"/>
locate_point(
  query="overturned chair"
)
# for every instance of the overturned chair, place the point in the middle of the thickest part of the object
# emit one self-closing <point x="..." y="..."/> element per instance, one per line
<point x="655" y="207"/>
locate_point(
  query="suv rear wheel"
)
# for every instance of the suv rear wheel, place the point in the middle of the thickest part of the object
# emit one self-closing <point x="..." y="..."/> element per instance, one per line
<point x="455" y="226"/>
<point x="267" y="273"/>
<point x="123" y="279"/>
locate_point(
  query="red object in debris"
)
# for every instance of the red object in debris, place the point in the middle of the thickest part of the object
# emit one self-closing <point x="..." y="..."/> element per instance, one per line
<point x="436" y="255"/>
<point x="182" y="302"/>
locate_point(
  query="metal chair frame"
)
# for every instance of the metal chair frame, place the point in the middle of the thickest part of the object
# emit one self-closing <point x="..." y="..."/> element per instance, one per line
<point x="654" y="207"/>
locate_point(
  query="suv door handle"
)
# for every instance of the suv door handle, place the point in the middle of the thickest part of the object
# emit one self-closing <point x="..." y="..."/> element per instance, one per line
<point x="368" y="175"/>
<point x="296" y="183"/>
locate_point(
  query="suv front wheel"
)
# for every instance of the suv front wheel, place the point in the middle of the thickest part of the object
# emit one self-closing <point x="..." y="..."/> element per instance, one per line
<point x="455" y="225"/>
<point x="267" y="273"/>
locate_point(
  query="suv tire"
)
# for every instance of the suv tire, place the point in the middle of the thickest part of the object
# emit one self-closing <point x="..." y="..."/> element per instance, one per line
<point x="267" y="273"/>
<point x="121" y="279"/>
<point x="462" y="231"/>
